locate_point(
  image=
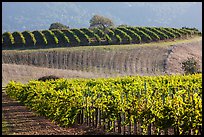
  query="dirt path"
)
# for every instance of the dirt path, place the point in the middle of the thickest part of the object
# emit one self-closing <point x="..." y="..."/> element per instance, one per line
<point x="22" y="121"/>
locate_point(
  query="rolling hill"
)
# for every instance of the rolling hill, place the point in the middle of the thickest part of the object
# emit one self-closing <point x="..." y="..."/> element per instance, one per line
<point x="100" y="61"/>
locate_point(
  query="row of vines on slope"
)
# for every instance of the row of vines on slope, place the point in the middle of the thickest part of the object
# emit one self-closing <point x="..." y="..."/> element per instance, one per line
<point x="86" y="37"/>
<point x="127" y="105"/>
<point x="128" y="62"/>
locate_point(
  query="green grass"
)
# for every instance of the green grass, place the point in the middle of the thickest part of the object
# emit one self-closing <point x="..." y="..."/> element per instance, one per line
<point x="111" y="47"/>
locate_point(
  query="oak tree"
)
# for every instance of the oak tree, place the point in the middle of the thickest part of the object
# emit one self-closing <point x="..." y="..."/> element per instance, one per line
<point x="98" y="21"/>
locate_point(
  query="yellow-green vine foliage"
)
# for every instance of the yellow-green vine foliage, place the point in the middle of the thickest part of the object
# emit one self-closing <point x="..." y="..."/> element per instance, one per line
<point x="166" y="101"/>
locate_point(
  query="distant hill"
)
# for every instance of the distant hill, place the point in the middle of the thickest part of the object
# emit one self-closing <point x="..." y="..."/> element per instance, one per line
<point x="20" y="16"/>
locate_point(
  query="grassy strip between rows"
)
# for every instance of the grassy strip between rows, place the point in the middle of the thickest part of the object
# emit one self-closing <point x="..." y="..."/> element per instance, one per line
<point x="166" y="101"/>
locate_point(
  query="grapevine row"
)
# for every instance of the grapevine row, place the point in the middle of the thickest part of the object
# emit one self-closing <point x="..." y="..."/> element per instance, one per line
<point x="161" y="102"/>
<point x="85" y="36"/>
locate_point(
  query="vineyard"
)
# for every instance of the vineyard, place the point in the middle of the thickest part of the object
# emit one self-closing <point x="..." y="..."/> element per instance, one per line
<point x="122" y="88"/>
<point x="126" y="105"/>
<point x="104" y="61"/>
<point x="93" y="37"/>
<point x="131" y="61"/>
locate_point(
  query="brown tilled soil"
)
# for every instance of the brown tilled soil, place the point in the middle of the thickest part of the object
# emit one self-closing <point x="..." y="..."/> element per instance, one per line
<point x="180" y="53"/>
<point x="22" y="121"/>
<point x="140" y="60"/>
<point x="25" y="73"/>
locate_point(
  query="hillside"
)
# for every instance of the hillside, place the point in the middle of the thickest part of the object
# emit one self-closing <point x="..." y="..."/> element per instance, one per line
<point x="180" y="53"/>
<point x="101" y="68"/>
<point x="100" y="61"/>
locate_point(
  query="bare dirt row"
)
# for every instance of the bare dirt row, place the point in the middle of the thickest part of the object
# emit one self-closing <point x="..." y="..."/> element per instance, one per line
<point x="22" y="121"/>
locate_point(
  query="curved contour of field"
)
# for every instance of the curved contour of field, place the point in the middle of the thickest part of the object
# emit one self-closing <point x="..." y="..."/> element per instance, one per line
<point x="181" y="52"/>
<point x="24" y="73"/>
<point x="22" y="121"/>
<point x="103" y="61"/>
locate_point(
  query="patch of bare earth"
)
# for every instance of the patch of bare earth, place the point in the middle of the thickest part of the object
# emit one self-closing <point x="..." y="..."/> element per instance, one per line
<point x="180" y="52"/>
<point x="22" y="121"/>
<point x="25" y="73"/>
<point x="142" y="60"/>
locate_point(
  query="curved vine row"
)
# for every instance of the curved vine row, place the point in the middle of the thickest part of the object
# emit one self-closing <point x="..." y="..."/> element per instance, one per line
<point x="94" y="36"/>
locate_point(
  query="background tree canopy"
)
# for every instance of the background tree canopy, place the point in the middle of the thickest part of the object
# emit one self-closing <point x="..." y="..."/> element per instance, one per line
<point x="100" y="22"/>
<point x="58" y="25"/>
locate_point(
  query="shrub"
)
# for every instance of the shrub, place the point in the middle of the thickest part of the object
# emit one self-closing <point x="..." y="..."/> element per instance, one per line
<point x="58" y="26"/>
<point x="199" y="34"/>
<point x="50" y="77"/>
<point x="190" y="66"/>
